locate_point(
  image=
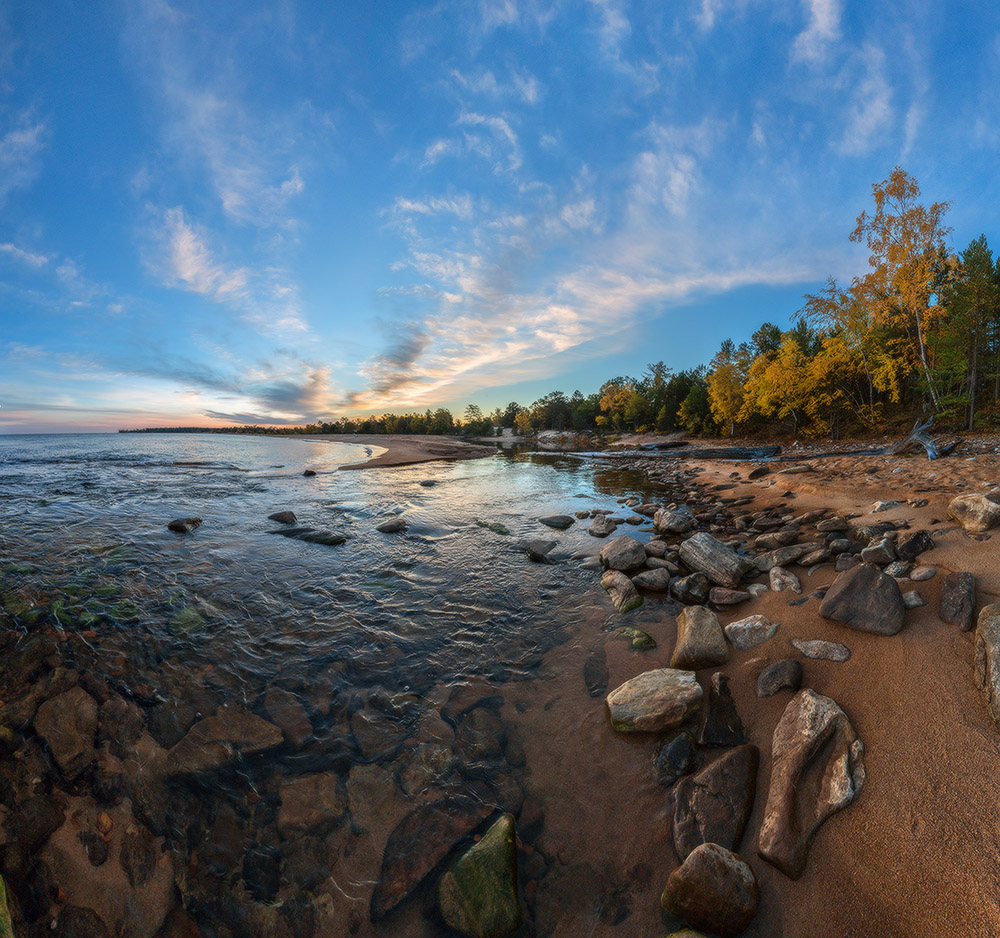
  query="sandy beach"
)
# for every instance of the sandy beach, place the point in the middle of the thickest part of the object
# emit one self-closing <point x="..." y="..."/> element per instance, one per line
<point x="402" y="450"/>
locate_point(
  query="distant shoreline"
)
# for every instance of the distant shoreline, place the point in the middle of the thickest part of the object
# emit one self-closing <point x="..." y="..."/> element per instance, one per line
<point x="402" y="450"/>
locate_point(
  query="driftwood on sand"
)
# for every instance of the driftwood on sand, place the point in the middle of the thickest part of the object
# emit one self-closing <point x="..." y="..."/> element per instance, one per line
<point x="917" y="437"/>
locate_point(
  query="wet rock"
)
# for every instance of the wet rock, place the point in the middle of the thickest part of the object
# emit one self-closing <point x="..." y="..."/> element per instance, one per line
<point x="262" y="871"/>
<point x="286" y="712"/>
<point x="897" y="569"/>
<point x="666" y="521"/>
<point x="780" y="580"/>
<point x="714" y="890"/>
<point x="636" y="638"/>
<point x="377" y="734"/>
<point x="120" y="724"/>
<point x="283" y="517"/>
<point x="311" y="803"/>
<point x="601" y="526"/>
<point x="750" y="632"/>
<point x="691" y="589"/>
<point x="559" y="522"/>
<point x="418" y="844"/>
<point x="702" y="553"/>
<point x="79" y="922"/>
<point x="673" y="759"/>
<point x="108" y="781"/>
<point x="392" y="526"/>
<point x="29" y="825"/>
<point x="911" y="546"/>
<point x="865" y="599"/>
<point x="839" y="545"/>
<point x="655" y="548"/>
<point x="723" y="726"/>
<point x="720" y="596"/>
<point x="701" y="642"/>
<point x="913" y="600"/>
<point x="186" y="623"/>
<point x="328" y="538"/>
<point x="823" y="651"/>
<point x="654" y="701"/>
<point x="958" y="600"/>
<point x="785" y="674"/>
<point x="478" y="896"/>
<point x="595" y="673"/>
<point x="835" y="524"/>
<point x="68" y="724"/>
<point x="988" y="658"/>
<point x="537" y="550"/>
<point x="217" y="740"/>
<point x="846" y="562"/>
<point x="480" y="736"/>
<point x="713" y="807"/>
<point x="309" y="473"/>
<point x="183" y="525"/>
<point x="138" y="857"/>
<point x="623" y="594"/>
<point x="371" y="789"/>
<point x="816" y="770"/>
<point x="656" y="580"/>
<point x="976" y="513"/>
<point x="623" y="553"/>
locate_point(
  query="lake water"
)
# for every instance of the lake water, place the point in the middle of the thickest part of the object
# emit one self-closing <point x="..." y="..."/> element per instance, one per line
<point x="436" y="661"/>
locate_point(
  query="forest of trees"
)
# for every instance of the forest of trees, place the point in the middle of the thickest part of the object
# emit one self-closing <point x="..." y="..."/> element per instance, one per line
<point x="917" y="333"/>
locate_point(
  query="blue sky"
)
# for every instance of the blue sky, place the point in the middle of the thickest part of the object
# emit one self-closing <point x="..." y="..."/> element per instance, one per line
<point x="279" y="212"/>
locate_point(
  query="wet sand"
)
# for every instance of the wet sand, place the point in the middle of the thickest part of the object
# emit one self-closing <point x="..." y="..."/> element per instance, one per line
<point x="404" y="450"/>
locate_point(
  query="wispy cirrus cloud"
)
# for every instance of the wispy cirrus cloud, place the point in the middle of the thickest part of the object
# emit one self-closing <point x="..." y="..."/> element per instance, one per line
<point x="869" y="115"/>
<point x="31" y="258"/>
<point x="21" y="145"/>
<point x="812" y="44"/>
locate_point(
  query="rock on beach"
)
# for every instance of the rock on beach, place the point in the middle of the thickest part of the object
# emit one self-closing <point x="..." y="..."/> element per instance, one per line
<point x="702" y="553"/>
<point x="701" y="643"/>
<point x="654" y="701"/>
<point x="865" y="599"/>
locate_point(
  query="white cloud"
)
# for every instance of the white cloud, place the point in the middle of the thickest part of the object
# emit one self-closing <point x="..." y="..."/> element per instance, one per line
<point x="869" y="116"/>
<point x="20" y="147"/>
<point x="811" y="44"/>
<point x="191" y="264"/>
<point x="705" y="18"/>
<point x="25" y="257"/>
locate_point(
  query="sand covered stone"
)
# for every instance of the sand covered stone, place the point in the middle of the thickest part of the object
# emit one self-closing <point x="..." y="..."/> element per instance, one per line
<point x="701" y="643"/>
<point x="654" y="701"/>
<point x="714" y="890"/>
<point x="816" y="770"/>
<point x="865" y="599"/>
<point x="478" y="896"/>
<point x="713" y="806"/>
<point x="702" y="553"/>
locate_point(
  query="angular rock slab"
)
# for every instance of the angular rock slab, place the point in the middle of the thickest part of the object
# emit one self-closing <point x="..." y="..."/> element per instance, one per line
<point x="656" y="580"/>
<point x="623" y="594"/>
<point x="785" y="674"/>
<point x="217" y="740"/>
<point x="958" y="600"/>
<point x="714" y="890"/>
<point x="975" y="513"/>
<point x="654" y="701"/>
<point x="601" y="526"/>
<point x="713" y="807"/>
<point x="478" y="896"/>
<point x="702" y="553"/>
<point x="701" y="643"/>
<point x="418" y="844"/>
<point x="816" y="770"/>
<point x="865" y="599"/>
<point x="988" y="658"/>
<point x="310" y="802"/>
<point x="821" y="651"/>
<point x="623" y="553"/>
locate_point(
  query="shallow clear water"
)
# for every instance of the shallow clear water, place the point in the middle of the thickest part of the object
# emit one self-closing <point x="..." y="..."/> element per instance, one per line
<point x="382" y="623"/>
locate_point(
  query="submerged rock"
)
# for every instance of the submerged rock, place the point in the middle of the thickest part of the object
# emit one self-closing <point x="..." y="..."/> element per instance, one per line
<point x="636" y="638"/>
<point x="495" y="526"/>
<point x="654" y="701"/>
<point x="283" y="517"/>
<point x="183" y="525"/>
<point x="559" y="522"/>
<point x="595" y="673"/>
<point x="478" y="896"/>
<point x="816" y="770"/>
<point x="68" y="724"/>
<point x="310" y="803"/>
<point x="217" y="740"/>
<point x="865" y="599"/>
<point x="714" y="890"/>
<point x="701" y="642"/>
<point x="713" y="807"/>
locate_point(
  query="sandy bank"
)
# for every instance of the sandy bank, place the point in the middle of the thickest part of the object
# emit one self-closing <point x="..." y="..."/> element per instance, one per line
<point x="402" y="450"/>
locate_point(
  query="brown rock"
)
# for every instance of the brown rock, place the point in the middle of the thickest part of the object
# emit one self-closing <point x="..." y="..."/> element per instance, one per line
<point x="714" y="890"/>
<point x="865" y="599"/>
<point x="654" y="701"/>
<point x="287" y="713"/>
<point x="621" y="590"/>
<point x="68" y="724"/>
<point x="217" y="740"/>
<point x="720" y="596"/>
<point x="975" y="513"/>
<point x="701" y="643"/>
<point x="656" y="580"/>
<point x="310" y="803"/>
<point x="988" y="658"/>
<point x="913" y="545"/>
<point x="816" y="770"/>
<point x="958" y="600"/>
<point x="713" y="806"/>
<point x="723" y="726"/>
<point x="183" y="525"/>
<point x="702" y="553"/>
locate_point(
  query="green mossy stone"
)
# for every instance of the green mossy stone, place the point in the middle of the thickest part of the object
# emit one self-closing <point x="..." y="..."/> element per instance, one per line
<point x="495" y="526"/>
<point x="25" y="569"/>
<point x="124" y="611"/>
<point x="107" y="591"/>
<point x="478" y="895"/>
<point x="186" y="622"/>
<point x="637" y="639"/>
<point x="6" y="926"/>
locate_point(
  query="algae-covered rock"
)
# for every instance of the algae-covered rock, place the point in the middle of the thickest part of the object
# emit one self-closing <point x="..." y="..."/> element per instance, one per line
<point x="478" y="895"/>
<point x="495" y="526"/>
<point x="6" y="927"/>
<point x="186" y="622"/>
<point x="637" y="639"/>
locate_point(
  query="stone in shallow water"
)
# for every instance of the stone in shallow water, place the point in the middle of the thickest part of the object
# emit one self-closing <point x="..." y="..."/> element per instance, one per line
<point x="823" y="651"/>
<point x="623" y="594"/>
<point x="690" y="589"/>
<point x="785" y="674"/>
<point x="623" y="553"/>
<point x="478" y="896"/>
<point x="595" y="673"/>
<point x="601" y="526"/>
<point x="392" y="526"/>
<point x="68" y="723"/>
<point x="654" y="701"/>
<point x="183" y="525"/>
<point x="219" y="739"/>
<point x="816" y="770"/>
<point x="714" y="890"/>
<point x="714" y="805"/>
<point x="656" y="580"/>
<point x="637" y="639"/>
<point x="311" y="802"/>
<point x="560" y="522"/>
<point x="283" y="517"/>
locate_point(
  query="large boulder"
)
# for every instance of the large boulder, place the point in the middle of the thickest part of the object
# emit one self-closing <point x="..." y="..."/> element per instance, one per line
<point x="702" y="553"/>
<point x="713" y="807"/>
<point x="988" y="658"/>
<point x="958" y="600"/>
<point x="816" y="770"/>
<point x="714" y="890"/>
<point x="975" y="513"/>
<point x="478" y="895"/>
<point x="623" y="553"/>
<point x="654" y="701"/>
<point x="701" y="643"/>
<point x="866" y="599"/>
